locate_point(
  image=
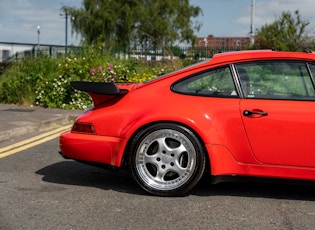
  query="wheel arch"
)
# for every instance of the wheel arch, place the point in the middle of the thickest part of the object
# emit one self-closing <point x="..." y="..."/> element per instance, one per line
<point x="145" y="126"/>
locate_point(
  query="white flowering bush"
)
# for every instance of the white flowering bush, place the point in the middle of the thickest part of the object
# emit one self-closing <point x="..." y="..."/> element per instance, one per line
<point x="57" y="92"/>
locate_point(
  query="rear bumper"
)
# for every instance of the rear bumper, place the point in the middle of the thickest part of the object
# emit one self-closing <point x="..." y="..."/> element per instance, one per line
<point x="63" y="155"/>
<point x="92" y="148"/>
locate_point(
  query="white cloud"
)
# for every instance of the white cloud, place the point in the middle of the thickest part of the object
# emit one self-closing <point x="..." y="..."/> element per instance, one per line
<point x="19" y="20"/>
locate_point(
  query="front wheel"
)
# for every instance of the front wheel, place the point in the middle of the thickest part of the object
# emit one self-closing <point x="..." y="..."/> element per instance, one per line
<point x="167" y="159"/>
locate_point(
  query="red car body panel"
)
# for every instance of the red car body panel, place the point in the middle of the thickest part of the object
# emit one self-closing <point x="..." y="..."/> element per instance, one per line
<point x="236" y="145"/>
<point x="291" y="125"/>
<point x="75" y="145"/>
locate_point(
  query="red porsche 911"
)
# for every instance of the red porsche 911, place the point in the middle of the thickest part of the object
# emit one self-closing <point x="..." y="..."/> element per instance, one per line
<point x="247" y="113"/>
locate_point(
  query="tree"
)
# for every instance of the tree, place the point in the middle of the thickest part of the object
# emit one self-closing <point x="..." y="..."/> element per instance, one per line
<point x="164" y="22"/>
<point x="123" y="22"/>
<point x="286" y="33"/>
<point x="104" y="21"/>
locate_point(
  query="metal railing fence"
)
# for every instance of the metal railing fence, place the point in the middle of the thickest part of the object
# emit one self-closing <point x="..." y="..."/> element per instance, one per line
<point x="148" y="54"/>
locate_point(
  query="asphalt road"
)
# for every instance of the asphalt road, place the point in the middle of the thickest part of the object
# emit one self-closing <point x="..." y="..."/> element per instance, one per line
<point x="41" y="190"/>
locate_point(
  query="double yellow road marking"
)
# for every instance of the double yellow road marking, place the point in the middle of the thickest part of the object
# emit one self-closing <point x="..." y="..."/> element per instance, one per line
<point x="29" y="143"/>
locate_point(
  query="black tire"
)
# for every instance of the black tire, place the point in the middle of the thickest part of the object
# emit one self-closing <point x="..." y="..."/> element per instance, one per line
<point x="166" y="159"/>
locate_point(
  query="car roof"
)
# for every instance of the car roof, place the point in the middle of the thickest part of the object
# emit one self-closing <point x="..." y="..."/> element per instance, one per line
<point x="241" y="56"/>
<point x="250" y="55"/>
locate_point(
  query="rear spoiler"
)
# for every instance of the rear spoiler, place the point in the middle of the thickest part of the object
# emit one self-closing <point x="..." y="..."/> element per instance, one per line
<point x="103" y="88"/>
<point x="99" y="91"/>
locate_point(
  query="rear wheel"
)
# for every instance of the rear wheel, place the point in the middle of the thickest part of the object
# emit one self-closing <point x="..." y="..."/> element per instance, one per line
<point x="166" y="159"/>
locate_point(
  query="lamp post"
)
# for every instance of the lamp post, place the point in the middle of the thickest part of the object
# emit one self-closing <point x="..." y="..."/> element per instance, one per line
<point x="38" y="33"/>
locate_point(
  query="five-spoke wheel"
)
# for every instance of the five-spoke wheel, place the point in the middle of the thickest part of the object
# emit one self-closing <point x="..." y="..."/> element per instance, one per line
<point x="167" y="159"/>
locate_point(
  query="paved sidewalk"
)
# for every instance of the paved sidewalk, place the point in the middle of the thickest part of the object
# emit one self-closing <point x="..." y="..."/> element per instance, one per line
<point x="19" y="120"/>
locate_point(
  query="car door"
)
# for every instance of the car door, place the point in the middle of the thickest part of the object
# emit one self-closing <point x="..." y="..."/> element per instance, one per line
<point x="278" y="112"/>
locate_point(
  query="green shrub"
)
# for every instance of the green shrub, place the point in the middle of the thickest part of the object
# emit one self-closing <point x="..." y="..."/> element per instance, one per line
<point x="18" y="84"/>
<point x="45" y="81"/>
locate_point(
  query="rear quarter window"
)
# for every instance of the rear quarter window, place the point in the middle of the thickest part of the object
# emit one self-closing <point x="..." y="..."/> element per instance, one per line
<point x="216" y="82"/>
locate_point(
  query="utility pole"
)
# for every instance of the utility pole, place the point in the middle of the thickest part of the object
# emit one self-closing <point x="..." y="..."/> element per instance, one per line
<point x="38" y="33"/>
<point x="66" y="42"/>
<point x="66" y="31"/>
<point x="251" y="33"/>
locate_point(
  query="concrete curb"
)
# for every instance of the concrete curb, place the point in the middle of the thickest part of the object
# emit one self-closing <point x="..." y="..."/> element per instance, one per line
<point x="16" y="121"/>
<point x="23" y="130"/>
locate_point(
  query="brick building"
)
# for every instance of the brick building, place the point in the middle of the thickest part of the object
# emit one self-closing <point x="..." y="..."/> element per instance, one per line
<point x="235" y="43"/>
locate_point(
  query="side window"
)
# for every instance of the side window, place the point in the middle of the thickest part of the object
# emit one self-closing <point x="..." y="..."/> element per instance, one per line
<point x="217" y="82"/>
<point x="276" y="80"/>
<point x="312" y="68"/>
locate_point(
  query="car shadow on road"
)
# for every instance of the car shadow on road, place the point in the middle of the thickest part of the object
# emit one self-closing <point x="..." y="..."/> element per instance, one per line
<point x="257" y="187"/>
<point x="70" y="172"/>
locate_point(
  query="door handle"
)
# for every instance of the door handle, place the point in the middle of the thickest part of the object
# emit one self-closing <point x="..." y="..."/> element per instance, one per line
<point x="248" y="113"/>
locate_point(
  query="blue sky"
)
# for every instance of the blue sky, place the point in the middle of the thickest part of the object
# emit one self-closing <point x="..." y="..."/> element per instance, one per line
<point x="19" y="18"/>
